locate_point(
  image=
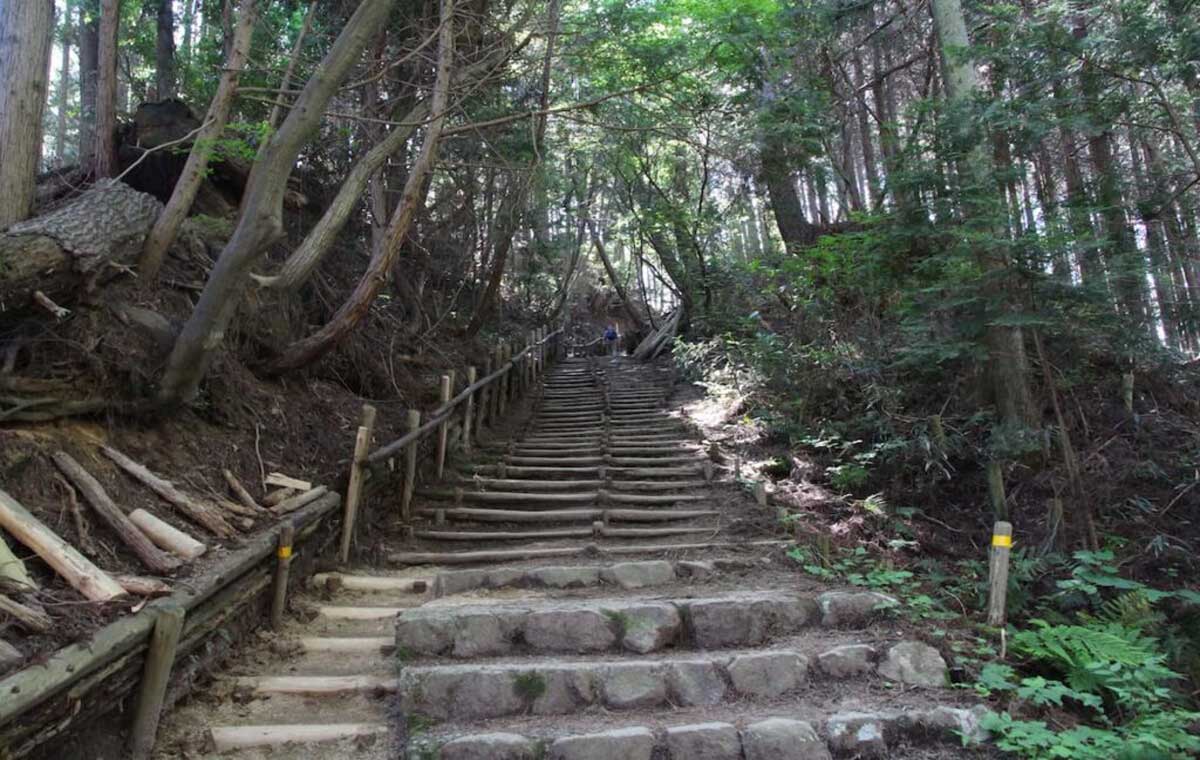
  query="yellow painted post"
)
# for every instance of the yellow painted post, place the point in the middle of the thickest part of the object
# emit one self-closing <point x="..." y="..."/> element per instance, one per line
<point x="283" y="567"/>
<point x="998" y="573"/>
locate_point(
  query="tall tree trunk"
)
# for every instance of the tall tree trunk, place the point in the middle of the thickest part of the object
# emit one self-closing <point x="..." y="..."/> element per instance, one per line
<point x="154" y="250"/>
<point x="598" y="244"/>
<point x="514" y="201"/>
<point x="1148" y="205"/>
<point x="189" y="22"/>
<point x="261" y="219"/>
<point x="105" y="155"/>
<point x="26" y="33"/>
<point x="64" y="88"/>
<point x="89" y="50"/>
<point x="164" y="51"/>
<point x="1005" y="342"/>
<point x="874" y="187"/>
<point x="356" y="307"/>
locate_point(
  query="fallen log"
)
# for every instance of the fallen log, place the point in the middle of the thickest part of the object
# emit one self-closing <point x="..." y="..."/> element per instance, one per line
<point x="151" y="556"/>
<point x="201" y="514"/>
<point x="95" y="235"/>
<point x="10" y="657"/>
<point x="139" y="586"/>
<point x="274" y="498"/>
<point x="34" y="620"/>
<point x="75" y="568"/>
<point x="286" y="481"/>
<point x="12" y="569"/>
<point x="295" y="502"/>
<point x="167" y="536"/>
<point x="240" y="491"/>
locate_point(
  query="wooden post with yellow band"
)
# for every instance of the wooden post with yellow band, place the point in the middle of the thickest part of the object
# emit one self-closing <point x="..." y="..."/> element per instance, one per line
<point x="283" y="566"/>
<point x="998" y="572"/>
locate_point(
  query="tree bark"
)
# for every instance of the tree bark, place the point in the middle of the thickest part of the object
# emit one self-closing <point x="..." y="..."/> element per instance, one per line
<point x="260" y="221"/>
<point x="89" y="62"/>
<point x="513" y="205"/>
<point x="194" y="170"/>
<point x="105" y="155"/>
<point x="151" y="556"/>
<point x="64" y="86"/>
<point x="355" y="308"/>
<point x="26" y="33"/>
<point x="1007" y="358"/>
<point x="58" y="253"/>
<point x="598" y="244"/>
<point x="164" y="51"/>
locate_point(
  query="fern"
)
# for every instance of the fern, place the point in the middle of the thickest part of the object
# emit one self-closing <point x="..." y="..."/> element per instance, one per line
<point x="1110" y="658"/>
<point x="1133" y="609"/>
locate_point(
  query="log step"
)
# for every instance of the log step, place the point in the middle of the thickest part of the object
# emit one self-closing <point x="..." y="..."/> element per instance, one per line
<point x="229" y="738"/>
<point x="358" y="613"/>
<point x="373" y="582"/>
<point x="567" y="515"/>
<point x="516" y="555"/>
<point x="536" y="535"/>
<point x="348" y="645"/>
<point x="317" y="685"/>
<point x="581" y="497"/>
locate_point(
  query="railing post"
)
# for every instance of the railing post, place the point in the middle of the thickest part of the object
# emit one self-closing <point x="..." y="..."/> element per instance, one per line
<point x="160" y="659"/>
<point x="530" y="362"/>
<point x="506" y="378"/>
<point x="358" y="471"/>
<point x="498" y="387"/>
<point x="469" y="412"/>
<point x="283" y="567"/>
<point x="444" y="428"/>
<point x="485" y="396"/>
<point x="410" y="466"/>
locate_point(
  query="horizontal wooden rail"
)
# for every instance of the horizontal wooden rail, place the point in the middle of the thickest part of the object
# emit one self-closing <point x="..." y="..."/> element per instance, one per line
<point x="80" y="667"/>
<point x="442" y="413"/>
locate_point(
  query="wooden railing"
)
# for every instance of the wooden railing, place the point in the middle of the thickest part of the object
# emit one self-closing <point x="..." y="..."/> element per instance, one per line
<point x="126" y="662"/>
<point x="481" y="402"/>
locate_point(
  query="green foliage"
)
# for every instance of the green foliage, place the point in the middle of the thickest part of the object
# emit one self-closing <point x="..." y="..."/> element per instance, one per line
<point x="529" y="685"/>
<point x="1106" y="664"/>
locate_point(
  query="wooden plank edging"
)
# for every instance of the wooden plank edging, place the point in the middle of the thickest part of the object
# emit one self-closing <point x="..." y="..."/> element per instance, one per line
<point x="29" y="687"/>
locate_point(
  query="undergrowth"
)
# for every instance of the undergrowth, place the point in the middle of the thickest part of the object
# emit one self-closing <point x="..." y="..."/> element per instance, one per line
<point x="1096" y="668"/>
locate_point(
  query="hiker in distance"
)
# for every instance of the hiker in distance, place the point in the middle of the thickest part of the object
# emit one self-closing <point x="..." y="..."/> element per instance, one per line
<point x="612" y="339"/>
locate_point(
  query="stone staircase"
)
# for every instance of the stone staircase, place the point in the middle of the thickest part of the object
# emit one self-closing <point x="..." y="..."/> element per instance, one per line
<point x="701" y="648"/>
<point x="611" y="602"/>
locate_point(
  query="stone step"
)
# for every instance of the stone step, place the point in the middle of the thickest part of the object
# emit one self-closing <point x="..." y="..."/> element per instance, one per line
<point x="554" y="686"/>
<point x="619" y="625"/>
<point x="764" y="735"/>
<point x="625" y="575"/>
